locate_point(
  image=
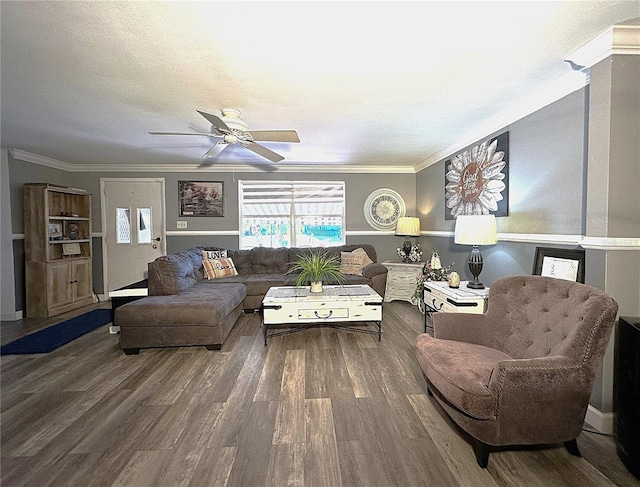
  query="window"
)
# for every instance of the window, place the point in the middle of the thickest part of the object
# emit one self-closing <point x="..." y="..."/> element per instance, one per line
<point x="123" y="225"/>
<point x="144" y="225"/>
<point x="291" y="213"/>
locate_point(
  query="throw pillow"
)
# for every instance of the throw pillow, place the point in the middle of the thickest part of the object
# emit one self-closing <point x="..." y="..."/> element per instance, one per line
<point x="354" y="262"/>
<point x="215" y="268"/>
<point x="366" y="260"/>
<point x="214" y="254"/>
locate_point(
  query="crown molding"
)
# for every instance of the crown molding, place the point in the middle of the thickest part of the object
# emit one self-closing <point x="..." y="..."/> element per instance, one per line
<point x="197" y="167"/>
<point x="41" y="160"/>
<point x="226" y="168"/>
<point x="619" y="39"/>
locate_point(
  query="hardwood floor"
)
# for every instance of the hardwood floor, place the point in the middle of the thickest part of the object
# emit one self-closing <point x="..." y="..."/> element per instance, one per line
<point x="318" y="408"/>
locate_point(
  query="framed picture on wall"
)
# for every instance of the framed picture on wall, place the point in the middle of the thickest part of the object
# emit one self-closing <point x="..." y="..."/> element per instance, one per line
<point x="559" y="263"/>
<point x="477" y="179"/>
<point x="201" y="198"/>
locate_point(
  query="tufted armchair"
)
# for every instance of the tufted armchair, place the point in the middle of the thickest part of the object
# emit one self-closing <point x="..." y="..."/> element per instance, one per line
<point x="521" y="373"/>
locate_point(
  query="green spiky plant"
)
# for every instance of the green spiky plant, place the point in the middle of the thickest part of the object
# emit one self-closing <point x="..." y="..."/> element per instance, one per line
<point x="317" y="267"/>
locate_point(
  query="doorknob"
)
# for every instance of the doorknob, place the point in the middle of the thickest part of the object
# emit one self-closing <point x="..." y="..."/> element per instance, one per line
<point x="157" y="239"/>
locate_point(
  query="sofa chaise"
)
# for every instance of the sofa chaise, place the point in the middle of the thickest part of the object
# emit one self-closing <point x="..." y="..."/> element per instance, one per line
<point x="184" y="308"/>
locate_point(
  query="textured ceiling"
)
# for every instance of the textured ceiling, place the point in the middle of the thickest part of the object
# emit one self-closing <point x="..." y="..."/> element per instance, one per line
<point x="371" y="84"/>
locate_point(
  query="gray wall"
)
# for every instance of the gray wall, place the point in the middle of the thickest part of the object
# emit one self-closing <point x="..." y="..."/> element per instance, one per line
<point x="357" y="190"/>
<point x="547" y="160"/>
<point x="548" y="168"/>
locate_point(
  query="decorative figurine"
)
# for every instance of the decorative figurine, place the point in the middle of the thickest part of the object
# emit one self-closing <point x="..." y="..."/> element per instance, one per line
<point x="454" y="280"/>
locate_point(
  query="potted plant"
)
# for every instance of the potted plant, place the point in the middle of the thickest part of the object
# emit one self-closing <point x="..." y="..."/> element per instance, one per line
<point x="316" y="268"/>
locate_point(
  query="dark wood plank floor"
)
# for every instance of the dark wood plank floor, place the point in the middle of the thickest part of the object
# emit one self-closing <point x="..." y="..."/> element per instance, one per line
<point x="319" y="408"/>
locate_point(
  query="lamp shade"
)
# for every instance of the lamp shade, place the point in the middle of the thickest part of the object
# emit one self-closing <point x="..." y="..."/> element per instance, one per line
<point x="476" y="230"/>
<point x="408" y="226"/>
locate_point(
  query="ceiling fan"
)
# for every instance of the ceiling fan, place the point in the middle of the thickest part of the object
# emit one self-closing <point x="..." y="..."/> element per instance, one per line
<point x="232" y="129"/>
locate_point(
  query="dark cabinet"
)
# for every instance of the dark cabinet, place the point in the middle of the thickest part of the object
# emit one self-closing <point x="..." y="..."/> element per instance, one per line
<point x="627" y="393"/>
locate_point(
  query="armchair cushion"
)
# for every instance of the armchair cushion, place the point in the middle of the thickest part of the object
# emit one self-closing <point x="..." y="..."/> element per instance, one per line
<point x="461" y="372"/>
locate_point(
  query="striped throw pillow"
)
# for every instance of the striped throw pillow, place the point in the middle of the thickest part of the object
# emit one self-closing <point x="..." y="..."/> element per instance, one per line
<point x="215" y="268"/>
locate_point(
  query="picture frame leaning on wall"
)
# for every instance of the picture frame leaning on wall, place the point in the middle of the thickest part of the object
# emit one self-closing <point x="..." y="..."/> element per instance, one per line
<point x="560" y="263"/>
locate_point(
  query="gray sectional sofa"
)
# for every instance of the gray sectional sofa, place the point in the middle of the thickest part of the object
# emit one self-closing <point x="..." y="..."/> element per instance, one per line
<point x="184" y="308"/>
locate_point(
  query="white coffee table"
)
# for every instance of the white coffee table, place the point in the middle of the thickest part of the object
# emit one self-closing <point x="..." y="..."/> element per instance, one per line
<point x="345" y="307"/>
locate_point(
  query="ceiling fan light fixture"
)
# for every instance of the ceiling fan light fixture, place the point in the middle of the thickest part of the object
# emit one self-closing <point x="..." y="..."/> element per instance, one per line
<point x="232" y="129"/>
<point x="230" y="138"/>
<point x="231" y="117"/>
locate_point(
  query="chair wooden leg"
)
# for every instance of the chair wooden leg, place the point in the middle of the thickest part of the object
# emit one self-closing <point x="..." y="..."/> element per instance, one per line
<point x="482" y="453"/>
<point x="572" y="447"/>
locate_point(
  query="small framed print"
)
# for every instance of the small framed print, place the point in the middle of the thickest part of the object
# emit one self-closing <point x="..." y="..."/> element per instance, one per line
<point x="201" y="198"/>
<point x="71" y="249"/>
<point x="560" y="263"/>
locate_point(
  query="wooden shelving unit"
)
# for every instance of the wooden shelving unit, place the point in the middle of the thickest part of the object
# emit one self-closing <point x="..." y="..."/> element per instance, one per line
<point x="58" y="251"/>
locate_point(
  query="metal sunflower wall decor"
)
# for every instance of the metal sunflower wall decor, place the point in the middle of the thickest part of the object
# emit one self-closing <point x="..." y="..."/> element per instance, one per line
<point x="477" y="180"/>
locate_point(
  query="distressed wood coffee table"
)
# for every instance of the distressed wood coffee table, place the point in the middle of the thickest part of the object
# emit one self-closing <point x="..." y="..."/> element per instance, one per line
<point x="349" y="307"/>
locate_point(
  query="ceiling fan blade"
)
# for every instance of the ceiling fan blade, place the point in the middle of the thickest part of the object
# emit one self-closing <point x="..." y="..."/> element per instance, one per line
<point x="262" y="151"/>
<point x="275" y="135"/>
<point x="216" y="149"/>
<point x="217" y="122"/>
<point x="183" y="133"/>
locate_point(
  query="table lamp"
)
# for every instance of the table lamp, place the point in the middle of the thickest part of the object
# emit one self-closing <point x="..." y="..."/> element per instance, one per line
<point x="407" y="227"/>
<point x="476" y="230"/>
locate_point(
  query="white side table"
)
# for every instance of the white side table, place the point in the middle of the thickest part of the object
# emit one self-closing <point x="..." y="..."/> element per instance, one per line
<point x="439" y="297"/>
<point x="401" y="280"/>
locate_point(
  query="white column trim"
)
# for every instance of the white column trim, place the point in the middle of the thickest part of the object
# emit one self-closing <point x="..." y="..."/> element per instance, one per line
<point x="610" y="243"/>
<point x="618" y="39"/>
<point x="596" y="243"/>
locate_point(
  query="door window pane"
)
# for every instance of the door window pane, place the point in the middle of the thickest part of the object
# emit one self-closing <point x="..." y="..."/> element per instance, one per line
<point x="123" y="226"/>
<point x="144" y="225"/>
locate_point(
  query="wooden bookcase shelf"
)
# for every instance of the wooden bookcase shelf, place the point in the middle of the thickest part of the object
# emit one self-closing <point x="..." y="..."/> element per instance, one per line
<point x="58" y="250"/>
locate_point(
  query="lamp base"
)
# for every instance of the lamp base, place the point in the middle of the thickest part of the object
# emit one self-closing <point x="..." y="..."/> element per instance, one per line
<point x="475" y="284"/>
<point x="475" y="266"/>
<point x="406" y="248"/>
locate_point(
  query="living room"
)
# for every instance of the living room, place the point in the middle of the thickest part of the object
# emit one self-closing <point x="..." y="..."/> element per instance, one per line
<point x="572" y="179"/>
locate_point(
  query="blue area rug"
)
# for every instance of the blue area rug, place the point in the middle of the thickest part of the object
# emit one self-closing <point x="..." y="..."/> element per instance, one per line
<point x="55" y="336"/>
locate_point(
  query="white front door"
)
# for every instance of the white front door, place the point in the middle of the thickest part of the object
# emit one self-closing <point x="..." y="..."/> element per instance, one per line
<point x="133" y="228"/>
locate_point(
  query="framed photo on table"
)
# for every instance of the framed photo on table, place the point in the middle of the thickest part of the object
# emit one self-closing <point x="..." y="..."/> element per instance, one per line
<point x="71" y="249"/>
<point x="55" y="231"/>
<point x="559" y="263"/>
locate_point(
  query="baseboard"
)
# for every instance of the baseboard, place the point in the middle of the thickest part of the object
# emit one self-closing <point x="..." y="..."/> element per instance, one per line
<point x="18" y="315"/>
<point x="603" y="422"/>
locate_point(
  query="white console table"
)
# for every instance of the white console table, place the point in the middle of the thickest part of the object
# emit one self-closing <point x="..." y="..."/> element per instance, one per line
<point x="439" y="297"/>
